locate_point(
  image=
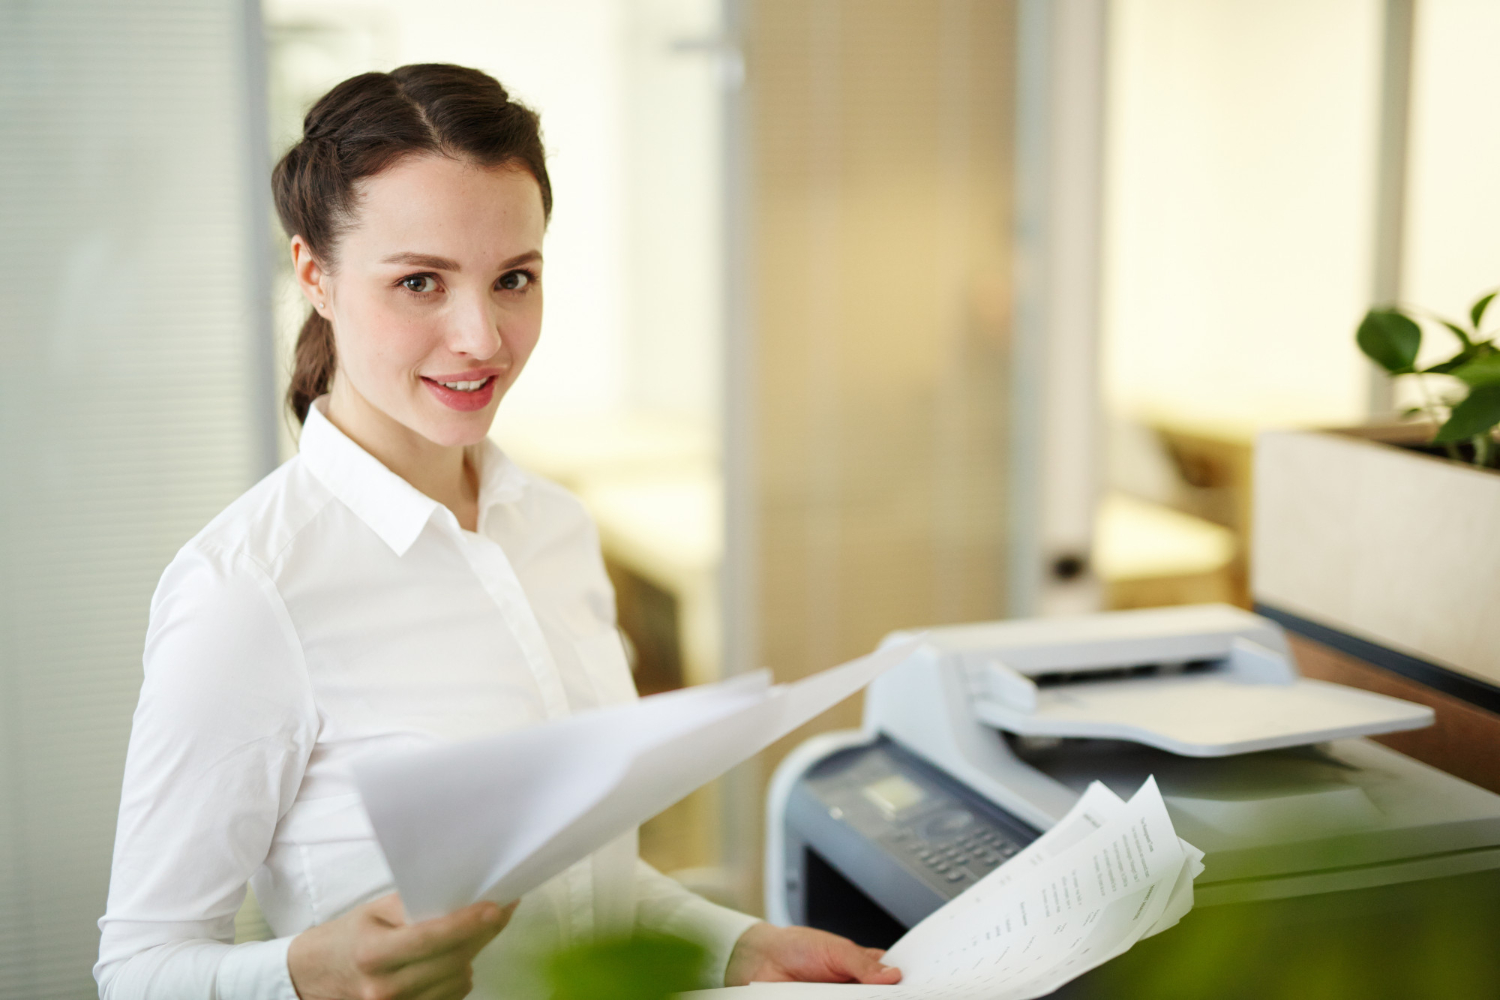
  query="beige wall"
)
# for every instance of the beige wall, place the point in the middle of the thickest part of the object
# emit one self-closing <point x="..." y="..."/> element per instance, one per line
<point x="881" y="136"/>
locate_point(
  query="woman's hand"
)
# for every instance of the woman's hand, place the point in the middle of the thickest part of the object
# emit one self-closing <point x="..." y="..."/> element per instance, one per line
<point x="768" y="954"/>
<point x="372" y="953"/>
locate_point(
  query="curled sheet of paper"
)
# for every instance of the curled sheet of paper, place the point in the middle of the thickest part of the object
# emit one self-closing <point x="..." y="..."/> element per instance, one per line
<point x="495" y="818"/>
<point x="1108" y="874"/>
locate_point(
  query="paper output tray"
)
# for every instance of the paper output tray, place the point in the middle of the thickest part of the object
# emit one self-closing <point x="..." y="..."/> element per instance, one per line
<point x="1209" y="715"/>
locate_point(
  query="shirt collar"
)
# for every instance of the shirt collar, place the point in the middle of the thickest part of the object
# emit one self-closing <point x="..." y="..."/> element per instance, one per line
<point x="500" y="479"/>
<point x="389" y="505"/>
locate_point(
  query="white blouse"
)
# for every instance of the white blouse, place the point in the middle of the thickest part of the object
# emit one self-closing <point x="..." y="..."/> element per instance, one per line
<point x="334" y="611"/>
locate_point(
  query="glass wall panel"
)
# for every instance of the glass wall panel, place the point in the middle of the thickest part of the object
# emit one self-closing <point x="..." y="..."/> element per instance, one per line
<point x="1453" y="197"/>
<point x="132" y="409"/>
<point x="1240" y="206"/>
<point x="1240" y="200"/>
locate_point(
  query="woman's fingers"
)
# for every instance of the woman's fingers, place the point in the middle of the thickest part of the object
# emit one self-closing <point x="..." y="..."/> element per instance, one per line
<point x="476" y="943"/>
<point x="448" y="974"/>
<point x="387" y="910"/>
<point x="801" y="954"/>
<point x="449" y="989"/>
<point x="862" y="965"/>
<point x="373" y="951"/>
<point x="468" y="930"/>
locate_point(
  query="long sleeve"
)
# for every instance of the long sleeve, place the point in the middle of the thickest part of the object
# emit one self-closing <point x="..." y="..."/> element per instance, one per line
<point x="664" y="906"/>
<point x="218" y="745"/>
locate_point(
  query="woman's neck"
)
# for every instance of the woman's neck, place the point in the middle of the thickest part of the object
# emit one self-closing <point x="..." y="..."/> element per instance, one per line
<point x="440" y="472"/>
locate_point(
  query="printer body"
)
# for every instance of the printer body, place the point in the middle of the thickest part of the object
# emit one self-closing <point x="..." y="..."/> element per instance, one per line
<point x="989" y="733"/>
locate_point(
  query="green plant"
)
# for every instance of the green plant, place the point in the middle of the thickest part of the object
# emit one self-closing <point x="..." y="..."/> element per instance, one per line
<point x="637" y="967"/>
<point x="1469" y="409"/>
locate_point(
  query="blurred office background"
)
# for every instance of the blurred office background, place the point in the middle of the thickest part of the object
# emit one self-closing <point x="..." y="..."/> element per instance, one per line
<point x="862" y="315"/>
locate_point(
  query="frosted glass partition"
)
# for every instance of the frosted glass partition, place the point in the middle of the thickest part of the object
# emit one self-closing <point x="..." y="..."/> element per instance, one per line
<point x="1453" y="196"/>
<point x="1239" y="192"/>
<point x="881" y="171"/>
<point x="131" y="411"/>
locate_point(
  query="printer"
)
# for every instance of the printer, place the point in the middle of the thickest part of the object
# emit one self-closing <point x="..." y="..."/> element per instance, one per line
<point x="1322" y="846"/>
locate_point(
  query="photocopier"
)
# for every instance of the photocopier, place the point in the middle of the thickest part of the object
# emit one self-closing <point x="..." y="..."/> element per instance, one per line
<point x="1327" y="854"/>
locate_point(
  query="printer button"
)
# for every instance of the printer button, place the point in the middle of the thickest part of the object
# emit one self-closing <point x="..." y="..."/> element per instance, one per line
<point x="948" y="822"/>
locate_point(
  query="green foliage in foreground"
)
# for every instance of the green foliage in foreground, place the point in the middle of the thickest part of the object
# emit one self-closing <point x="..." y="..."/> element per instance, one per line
<point x="642" y="967"/>
<point x="1407" y="941"/>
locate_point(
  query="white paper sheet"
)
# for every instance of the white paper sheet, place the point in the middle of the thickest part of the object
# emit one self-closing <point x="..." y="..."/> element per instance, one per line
<point x="1107" y="875"/>
<point x="495" y="818"/>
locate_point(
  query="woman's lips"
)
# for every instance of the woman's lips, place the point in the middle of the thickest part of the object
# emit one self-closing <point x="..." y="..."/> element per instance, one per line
<point x="465" y="401"/>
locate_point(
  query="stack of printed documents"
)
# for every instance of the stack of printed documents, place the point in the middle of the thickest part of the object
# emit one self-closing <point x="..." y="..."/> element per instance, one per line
<point x="495" y="818"/>
<point x="1107" y="875"/>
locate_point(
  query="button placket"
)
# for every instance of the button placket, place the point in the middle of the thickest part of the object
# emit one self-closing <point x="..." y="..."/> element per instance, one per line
<point x="500" y="582"/>
<point x="581" y="895"/>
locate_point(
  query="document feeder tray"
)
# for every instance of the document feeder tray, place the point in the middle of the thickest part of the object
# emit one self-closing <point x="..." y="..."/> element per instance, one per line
<point x="1209" y="681"/>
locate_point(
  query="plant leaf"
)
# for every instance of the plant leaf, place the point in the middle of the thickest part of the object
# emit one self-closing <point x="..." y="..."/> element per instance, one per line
<point x="1458" y="360"/>
<point x="1475" y="351"/>
<point x="1458" y="331"/>
<point x="1475" y="415"/>
<point x="1390" y="339"/>
<point x="1483" y="370"/>
<point x="1476" y="313"/>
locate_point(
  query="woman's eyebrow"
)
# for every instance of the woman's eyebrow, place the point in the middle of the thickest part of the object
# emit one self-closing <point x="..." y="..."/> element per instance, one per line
<point x="529" y="257"/>
<point x="423" y="260"/>
<point x="436" y="263"/>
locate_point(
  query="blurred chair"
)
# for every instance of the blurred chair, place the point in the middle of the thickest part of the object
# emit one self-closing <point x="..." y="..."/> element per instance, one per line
<point x="1149" y="555"/>
<point x="1174" y="527"/>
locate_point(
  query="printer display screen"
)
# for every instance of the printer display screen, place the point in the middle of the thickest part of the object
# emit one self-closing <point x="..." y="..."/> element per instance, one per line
<point x="894" y="794"/>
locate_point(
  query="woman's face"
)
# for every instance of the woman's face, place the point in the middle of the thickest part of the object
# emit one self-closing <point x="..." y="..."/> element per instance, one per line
<point x="436" y="301"/>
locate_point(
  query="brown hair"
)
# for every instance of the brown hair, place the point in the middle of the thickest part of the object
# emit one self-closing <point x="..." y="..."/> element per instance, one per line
<point x="360" y="128"/>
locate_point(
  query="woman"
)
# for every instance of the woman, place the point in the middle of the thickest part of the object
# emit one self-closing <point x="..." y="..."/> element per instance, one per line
<point x="397" y="583"/>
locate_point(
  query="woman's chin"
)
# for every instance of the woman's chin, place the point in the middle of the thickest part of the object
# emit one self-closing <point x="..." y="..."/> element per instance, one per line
<point x="459" y="431"/>
<point x="448" y="428"/>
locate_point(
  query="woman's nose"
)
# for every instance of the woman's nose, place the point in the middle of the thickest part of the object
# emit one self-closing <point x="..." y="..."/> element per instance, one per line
<point x="474" y="329"/>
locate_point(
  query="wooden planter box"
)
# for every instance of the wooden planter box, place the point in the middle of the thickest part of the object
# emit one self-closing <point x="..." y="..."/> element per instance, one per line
<point x="1390" y="559"/>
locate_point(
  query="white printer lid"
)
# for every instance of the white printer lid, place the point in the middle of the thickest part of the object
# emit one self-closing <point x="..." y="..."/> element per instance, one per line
<point x="1201" y="681"/>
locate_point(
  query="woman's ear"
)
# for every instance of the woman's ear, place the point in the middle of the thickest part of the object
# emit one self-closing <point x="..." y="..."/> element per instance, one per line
<point x="311" y="277"/>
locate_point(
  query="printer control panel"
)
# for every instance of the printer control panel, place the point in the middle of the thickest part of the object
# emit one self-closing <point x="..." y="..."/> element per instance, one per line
<point x="936" y="829"/>
<point x="955" y="848"/>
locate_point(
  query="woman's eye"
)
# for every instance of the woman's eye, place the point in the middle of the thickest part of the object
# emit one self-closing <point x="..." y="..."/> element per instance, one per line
<point x="420" y="283"/>
<point x="515" y="281"/>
